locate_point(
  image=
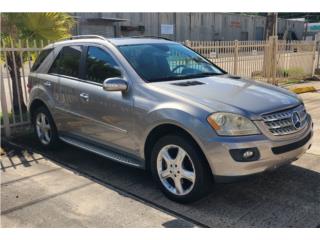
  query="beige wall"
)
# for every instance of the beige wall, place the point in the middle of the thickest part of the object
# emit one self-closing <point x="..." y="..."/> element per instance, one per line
<point x="187" y="26"/>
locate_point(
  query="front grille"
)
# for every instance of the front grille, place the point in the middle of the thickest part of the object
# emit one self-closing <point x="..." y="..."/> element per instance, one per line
<point x="280" y="123"/>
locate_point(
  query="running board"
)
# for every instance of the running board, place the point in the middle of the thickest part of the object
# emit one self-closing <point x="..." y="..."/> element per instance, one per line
<point x="103" y="152"/>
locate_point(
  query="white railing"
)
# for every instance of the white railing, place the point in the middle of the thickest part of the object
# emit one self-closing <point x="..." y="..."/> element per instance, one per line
<point x="16" y="59"/>
<point x="272" y="61"/>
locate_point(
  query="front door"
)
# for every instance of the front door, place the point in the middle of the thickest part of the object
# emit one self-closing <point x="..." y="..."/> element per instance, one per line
<point x="107" y="115"/>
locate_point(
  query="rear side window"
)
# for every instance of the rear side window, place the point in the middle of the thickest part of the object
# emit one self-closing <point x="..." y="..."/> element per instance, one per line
<point x="100" y="65"/>
<point x="68" y="61"/>
<point x="42" y="56"/>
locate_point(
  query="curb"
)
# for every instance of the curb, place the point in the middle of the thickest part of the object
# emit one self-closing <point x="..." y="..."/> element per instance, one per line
<point x="305" y="89"/>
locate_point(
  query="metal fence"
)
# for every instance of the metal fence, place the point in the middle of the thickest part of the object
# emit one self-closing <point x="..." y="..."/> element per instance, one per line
<point x="16" y="59"/>
<point x="272" y="61"/>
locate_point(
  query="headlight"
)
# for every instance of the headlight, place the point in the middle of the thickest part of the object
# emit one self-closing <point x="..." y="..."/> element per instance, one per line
<point x="230" y="124"/>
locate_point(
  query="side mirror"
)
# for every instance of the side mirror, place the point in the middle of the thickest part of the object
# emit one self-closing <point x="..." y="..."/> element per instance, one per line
<point x="115" y="84"/>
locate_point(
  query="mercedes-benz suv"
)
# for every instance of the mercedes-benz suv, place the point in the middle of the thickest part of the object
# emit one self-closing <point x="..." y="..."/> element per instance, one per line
<point x="156" y="104"/>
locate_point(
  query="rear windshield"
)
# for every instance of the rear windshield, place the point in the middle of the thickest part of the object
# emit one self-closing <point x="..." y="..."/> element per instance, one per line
<point x="42" y="56"/>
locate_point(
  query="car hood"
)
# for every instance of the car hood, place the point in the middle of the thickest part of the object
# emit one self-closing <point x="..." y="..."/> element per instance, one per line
<point x="225" y="93"/>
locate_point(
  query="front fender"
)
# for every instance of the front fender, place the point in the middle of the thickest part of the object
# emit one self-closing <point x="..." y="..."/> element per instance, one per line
<point x="191" y="119"/>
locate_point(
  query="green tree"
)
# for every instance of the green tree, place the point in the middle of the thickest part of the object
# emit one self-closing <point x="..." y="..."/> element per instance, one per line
<point x="33" y="27"/>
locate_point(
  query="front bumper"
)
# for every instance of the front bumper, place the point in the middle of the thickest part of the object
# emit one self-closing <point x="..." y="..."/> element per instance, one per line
<point x="223" y="165"/>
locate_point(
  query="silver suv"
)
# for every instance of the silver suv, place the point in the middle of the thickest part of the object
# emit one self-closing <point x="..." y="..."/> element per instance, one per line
<point x="155" y="104"/>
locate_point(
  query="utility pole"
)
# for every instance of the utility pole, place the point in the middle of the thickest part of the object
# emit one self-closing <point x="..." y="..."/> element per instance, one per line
<point x="305" y="27"/>
<point x="271" y="25"/>
<point x="271" y="34"/>
<point x="275" y="24"/>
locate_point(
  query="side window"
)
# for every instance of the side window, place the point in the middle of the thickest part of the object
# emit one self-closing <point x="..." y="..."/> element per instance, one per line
<point x="68" y="61"/>
<point x="100" y="65"/>
<point x="42" y="56"/>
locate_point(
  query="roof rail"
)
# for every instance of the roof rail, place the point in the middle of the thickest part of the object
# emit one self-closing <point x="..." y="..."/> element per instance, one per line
<point x="83" y="37"/>
<point x="146" y="36"/>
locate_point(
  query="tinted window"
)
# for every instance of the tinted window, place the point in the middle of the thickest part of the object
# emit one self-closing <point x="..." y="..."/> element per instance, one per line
<point x="167" y="61"/>
<point x="100" y="65"/>
<point x="68" y="61"/>
<point x="42" y="56"/>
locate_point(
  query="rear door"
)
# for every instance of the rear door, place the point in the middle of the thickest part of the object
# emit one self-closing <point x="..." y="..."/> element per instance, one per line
<point x="47" y="82"/>
<point x="67" y="67"/>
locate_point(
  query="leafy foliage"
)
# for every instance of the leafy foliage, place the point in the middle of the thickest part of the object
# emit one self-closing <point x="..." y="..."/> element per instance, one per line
<point x="16" y="29"/>
<point x="36" y="26"/>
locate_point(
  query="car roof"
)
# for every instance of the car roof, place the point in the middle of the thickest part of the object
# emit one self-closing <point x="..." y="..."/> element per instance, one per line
<point x="114" y="41"/>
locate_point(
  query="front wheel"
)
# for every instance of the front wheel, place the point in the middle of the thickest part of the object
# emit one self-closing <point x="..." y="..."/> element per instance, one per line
<point x="180" y="169"/>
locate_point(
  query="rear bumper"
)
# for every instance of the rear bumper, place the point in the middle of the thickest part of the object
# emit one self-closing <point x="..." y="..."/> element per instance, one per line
<point x="272" y="153"/>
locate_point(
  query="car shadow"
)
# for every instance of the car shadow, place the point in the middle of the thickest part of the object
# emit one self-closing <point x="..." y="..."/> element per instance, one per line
<point x="287" y="197"/>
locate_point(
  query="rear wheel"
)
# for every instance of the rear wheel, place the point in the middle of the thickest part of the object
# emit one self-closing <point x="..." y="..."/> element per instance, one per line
<point x="180" y="169"/>
<point x="44" y="128"/>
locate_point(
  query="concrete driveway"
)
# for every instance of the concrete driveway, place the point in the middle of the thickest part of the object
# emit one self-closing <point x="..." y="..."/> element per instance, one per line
<point x="37" y="192"/>
<point x="45" y="190"/>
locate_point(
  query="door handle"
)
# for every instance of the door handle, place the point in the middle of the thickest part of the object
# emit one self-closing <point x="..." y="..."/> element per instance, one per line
<point x="84" y="96"/>
<point x="47" y="83"/>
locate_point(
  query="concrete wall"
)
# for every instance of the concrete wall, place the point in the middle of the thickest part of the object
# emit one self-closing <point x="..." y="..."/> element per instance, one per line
<point x="187" y="26"/>
<point x="292" y="26"/>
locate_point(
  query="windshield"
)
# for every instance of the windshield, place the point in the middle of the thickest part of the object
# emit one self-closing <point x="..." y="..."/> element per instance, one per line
<point x="167" y="61"/>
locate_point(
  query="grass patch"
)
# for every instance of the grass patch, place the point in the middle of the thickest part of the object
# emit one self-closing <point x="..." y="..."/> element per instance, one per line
<point x="293" y="73"/>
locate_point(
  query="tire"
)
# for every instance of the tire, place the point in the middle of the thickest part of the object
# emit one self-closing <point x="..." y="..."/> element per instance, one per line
<point x="50" y="140"/>
<point x="194" y="186"/>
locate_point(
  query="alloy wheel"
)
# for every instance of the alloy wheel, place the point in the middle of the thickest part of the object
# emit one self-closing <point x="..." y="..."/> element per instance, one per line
<point x="43" y="128"/>
<point x="176" y="170"/>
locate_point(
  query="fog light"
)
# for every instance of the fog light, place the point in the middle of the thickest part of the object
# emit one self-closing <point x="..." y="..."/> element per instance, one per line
<point x="245" y="154"/>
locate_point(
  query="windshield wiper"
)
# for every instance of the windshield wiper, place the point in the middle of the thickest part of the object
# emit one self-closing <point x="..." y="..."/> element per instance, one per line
<point x="181" y="77"/>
